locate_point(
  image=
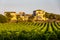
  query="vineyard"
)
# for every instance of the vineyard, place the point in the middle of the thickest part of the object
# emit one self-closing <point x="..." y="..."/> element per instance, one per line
<point x="30" y="31"/>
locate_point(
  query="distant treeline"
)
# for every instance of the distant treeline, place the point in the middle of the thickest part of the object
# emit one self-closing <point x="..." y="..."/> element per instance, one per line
<point x="52" y="16"/>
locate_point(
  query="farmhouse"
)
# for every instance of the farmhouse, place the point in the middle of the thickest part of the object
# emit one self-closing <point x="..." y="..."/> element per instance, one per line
<point x="13" y="14"/>
<point x="39" y="15"/>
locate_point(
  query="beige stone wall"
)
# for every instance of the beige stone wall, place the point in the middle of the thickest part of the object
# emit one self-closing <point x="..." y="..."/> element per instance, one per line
<point x="40" y="15"/>
<point x="14" y="16"/>
<point x="22" y="18"/>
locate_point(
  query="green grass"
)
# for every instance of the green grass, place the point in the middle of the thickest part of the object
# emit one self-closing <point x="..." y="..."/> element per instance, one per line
<point x="29" y="31"/>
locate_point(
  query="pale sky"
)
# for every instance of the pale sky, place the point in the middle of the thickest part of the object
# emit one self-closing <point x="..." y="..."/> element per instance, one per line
<point x="28" y="6"/>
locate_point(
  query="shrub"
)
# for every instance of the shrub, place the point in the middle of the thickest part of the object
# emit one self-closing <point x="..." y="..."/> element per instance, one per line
<point x="3" y="19"/>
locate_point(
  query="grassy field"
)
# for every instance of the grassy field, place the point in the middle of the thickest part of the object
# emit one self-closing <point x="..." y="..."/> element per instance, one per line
<point x="30" y="31"/>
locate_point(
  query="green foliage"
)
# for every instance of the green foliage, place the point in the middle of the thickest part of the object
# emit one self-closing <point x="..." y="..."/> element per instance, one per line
<point x="30" y="31"/>
<point x="3" y="19"/>
<point x="52" y="16"/>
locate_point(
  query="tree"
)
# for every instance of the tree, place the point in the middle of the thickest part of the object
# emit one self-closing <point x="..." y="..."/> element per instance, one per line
<point x="46" y="15"/>
<point x="30" y="18"/>
<point x="3" y="19"/>
<point x="57" y="17"/>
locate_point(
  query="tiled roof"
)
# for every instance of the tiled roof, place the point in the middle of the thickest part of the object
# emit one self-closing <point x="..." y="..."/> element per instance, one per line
<point x="10" y="12"/>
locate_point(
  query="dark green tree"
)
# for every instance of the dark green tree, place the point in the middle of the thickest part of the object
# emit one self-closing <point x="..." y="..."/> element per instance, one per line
<point x="3" y="19"/>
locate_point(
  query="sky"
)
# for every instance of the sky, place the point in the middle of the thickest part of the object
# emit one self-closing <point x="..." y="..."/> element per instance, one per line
<point x="28" y="6"/>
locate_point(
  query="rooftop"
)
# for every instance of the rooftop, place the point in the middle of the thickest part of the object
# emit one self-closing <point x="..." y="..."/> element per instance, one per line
<point x="10" y="12"/>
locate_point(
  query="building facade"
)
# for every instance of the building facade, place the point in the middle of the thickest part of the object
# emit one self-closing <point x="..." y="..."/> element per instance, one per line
<point x="13" y="15"/>
<point x="39" y="15"/>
